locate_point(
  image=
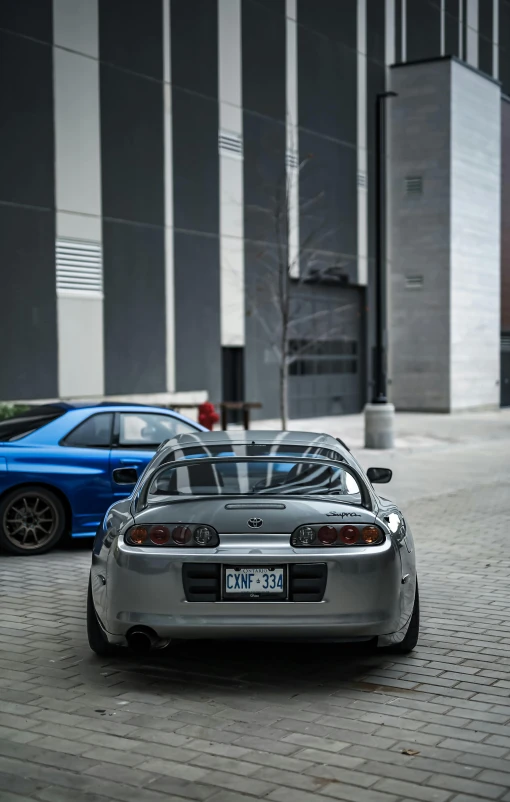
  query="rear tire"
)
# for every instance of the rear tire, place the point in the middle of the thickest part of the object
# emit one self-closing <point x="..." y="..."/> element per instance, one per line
<point x="98" y="641"/>
<point x="32" y="520"/>
<point x="411" y="637"/>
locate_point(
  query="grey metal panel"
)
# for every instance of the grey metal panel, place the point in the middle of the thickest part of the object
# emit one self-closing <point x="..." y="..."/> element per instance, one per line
<point x="423" y="30"/>
<point x="28" y="17"/>
<point x="195" y="162"/>
<point x="28" y="323"/>
<point x="263" y="49"/>
<point x="131" y="35"/>
<point x="194" y="45"/>
<point x="327" y="85"/>
<point x="132" y="165"/>
<point x="376" y="26"/>
<point x="264" y="174"/>
<point x="330" y="223"/>
<point x="134" y="308"/>
<point x="331" y="18"/>
<point x="26" y="131"/>
<point x="197" y="313"/>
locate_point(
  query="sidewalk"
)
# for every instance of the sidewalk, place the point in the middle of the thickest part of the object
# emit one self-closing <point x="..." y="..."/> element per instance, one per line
<point x="434" y="454"/>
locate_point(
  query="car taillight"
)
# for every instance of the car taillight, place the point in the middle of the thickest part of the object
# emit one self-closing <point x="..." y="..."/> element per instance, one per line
<point x="318" y="535"/>
<point x="349" y="535"/>
<point x="327" y="535"/>
<point x="173" y="535"/>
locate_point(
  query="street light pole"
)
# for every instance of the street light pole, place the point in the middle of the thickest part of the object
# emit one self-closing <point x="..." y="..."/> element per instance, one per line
<point x="380" y="383"/>
<point x="379" y="413"/>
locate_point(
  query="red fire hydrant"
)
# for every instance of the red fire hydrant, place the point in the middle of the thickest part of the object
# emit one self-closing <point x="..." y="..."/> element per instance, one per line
<point x="207" y="415"/>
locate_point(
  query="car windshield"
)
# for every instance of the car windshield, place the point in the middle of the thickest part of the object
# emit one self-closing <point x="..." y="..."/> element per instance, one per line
<point x="255" y="477"/>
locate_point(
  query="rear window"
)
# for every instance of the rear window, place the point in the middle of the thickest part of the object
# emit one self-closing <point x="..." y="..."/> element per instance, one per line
<point x="256" y="477"/>
<point x="24" y="424"/>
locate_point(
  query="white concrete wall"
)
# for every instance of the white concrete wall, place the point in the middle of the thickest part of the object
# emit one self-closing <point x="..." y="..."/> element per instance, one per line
<point x="78" y="189"/>
<point x="231" y="175"/>
<point x="475" y="240"/>
<point x="419" y="326"/>
<point x="444" y="332"/>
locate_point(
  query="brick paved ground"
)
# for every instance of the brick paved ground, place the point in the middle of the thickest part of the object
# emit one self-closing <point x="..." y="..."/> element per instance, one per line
<point x="226" y="723"/>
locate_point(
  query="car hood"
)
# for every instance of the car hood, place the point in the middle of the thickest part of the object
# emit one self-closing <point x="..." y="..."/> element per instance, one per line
<point x="229" y="515"/>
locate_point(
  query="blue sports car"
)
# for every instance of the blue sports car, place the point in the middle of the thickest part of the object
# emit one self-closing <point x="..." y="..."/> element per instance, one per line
<point x="63" y="465"/>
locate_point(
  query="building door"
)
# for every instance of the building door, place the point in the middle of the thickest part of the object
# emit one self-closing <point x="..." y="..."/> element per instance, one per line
<point x="505" y="369"/>
<point x="233" y="379"/>
<point x="327" y="374"/>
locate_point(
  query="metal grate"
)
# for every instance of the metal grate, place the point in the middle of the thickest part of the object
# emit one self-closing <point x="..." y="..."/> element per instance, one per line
<point x="362" y="180"/>
<point x="79" y="267"/>
<point x="505" y="343"/>
<point x="292" y="158"/>
<point x="230" y="144"/>
<point x="414" y="185"/>
<point x="414" y="282"/>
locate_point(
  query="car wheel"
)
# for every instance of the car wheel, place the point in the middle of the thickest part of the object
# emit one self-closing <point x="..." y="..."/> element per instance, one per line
<point x="32" y="521"/>
<point x="411" y="637"/>
<point x="97" y="639"/>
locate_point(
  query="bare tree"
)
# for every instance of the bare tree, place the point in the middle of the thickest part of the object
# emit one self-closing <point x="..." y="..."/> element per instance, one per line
<point x="287" y="266"/>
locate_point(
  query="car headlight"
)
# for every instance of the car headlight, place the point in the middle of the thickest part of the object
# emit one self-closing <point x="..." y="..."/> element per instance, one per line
<point x="172" y="535"/>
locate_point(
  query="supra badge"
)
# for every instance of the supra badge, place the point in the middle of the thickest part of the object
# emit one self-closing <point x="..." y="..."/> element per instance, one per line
<point x="255" y="523"/>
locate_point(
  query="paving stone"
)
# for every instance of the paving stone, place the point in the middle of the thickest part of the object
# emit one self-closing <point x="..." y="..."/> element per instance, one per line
<point x="312" y="725"/>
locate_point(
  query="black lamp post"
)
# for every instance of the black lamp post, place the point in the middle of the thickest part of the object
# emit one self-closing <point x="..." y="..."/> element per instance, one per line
<point x="380" y="383"/>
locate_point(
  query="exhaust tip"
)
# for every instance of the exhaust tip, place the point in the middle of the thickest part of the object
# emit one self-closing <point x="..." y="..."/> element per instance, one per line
<point x="141" y="640"/>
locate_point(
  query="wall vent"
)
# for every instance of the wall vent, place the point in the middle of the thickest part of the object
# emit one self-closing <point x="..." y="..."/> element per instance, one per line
<point x="79" y="267"/>
<point x="230" y="144"/>
<point x="362" y="180"/>
<point x="505" y="343"/>
<point x="414" y="282"/>
<point x="414" y="185"/>
<point x="292" y="158"/>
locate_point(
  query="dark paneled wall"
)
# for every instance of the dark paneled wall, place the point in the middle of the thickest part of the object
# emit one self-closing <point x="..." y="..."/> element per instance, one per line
<point x="28" y="324"/>
<point x="264" y="53"/>
<point x="485" y="36"/>
<point x="132" y="154"/>
<point x="327" y="87"/>
<point x="504" y="45"/>
<point x="194" y="49"/>
<point x="451" y="28"/>
<point x="505" y="216"/>
<point x="423" y="29"/>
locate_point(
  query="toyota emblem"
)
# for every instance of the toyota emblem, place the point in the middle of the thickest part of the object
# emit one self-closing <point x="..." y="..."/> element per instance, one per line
<point x="255" y="523"/>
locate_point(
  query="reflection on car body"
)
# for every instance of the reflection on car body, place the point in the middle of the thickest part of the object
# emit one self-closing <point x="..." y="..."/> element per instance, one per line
<point x="216" y="542"/>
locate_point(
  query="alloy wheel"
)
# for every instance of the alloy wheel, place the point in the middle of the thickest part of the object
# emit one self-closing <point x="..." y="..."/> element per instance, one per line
<point x="30" y="521"/>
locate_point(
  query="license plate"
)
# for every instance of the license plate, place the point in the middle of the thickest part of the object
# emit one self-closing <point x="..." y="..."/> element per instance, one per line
<point x="254" y="582"/>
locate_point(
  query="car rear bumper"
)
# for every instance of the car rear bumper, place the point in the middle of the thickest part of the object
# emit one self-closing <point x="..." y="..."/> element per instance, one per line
<point x="364" y="595"/>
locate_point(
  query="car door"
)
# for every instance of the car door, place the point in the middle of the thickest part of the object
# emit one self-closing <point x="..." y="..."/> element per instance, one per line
<point x="136" y="437"/>
<point x="82" y="461"/>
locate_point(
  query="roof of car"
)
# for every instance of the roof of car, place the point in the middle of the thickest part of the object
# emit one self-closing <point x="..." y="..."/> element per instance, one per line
<point x="254" y="437"/>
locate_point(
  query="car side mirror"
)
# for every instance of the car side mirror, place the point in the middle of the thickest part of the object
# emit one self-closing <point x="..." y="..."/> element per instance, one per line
<point x="380" y="476"/>
<point x="125" y="476"/>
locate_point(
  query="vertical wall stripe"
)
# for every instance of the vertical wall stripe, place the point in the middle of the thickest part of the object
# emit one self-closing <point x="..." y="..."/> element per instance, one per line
<point x="292" y="134"/>
<point x="78" y="199"/>
<point x="389" y="34"/>
<point x="231" y="193"/>
<point x="169" y="203"/>
<point x="472" y="33"/>
<point x="404" y="31"/>
<point x="495" y="39"/>
<point x="462" y="40"/>
<point x="362" y="142"/>
<point x="443" y="34"/>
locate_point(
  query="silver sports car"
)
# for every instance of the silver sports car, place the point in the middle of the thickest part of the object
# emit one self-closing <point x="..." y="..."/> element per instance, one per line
<point x="253" y="534"/>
